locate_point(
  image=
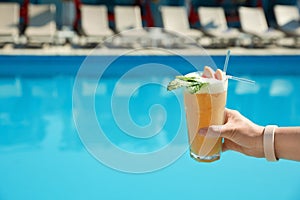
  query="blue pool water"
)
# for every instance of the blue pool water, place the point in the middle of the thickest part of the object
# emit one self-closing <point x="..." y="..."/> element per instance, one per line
<point x="43" y="157"/>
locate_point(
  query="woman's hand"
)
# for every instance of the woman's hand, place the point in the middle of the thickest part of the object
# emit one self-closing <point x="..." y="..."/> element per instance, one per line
<point x="240" y="134"/>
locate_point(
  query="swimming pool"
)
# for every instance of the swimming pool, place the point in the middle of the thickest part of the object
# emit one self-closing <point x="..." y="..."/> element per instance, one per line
<point x="42" y="156"/>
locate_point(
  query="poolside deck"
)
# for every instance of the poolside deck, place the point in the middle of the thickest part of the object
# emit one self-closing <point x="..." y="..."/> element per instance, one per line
<point x="69" y="50"/>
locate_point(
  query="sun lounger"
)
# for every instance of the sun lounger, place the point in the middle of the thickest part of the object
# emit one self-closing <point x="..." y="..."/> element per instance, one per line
<point x="9" y="22"/>
<point x="42" y="26"/>
<point x="128" y="23"/>
<point x="288" y="19"/>
<point x="94" y="22"/>
<point x="253" y="21"/>
<point x="175" y="19"/>
<point x="214" y="24"/>
<point x="128" y="18"/>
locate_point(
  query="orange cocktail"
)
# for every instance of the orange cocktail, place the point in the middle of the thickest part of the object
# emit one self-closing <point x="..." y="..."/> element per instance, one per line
<point x="203" y="109"/>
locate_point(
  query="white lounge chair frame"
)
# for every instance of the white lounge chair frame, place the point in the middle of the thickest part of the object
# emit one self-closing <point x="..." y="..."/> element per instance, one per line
<point x="175" y="18"/>
<point x="288" y="19"/>
<point x="128" y="23"/>
<point x="94" y="21"/>
<point x="127" y="17"/>
<point x="9" y="22"/>
<point x="253" y="21"/>
<point x="214" y="23"/>
<point x="42" y="26"/>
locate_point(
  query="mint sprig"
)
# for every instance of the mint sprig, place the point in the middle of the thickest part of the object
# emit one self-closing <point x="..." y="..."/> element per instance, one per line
<point x="193" y="84"/>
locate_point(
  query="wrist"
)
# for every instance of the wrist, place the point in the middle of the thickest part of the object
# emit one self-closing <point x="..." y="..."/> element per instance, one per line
<point x="259" y="130"/>
<point x="287" y="143"/>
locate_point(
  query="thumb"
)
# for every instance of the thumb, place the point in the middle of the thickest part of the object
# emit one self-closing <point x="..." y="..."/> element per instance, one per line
<point x="214" y="131"/>
<point x="221" y="131"/>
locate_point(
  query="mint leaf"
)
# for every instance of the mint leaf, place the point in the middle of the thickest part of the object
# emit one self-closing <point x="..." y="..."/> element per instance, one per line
<point x="196" y="87"/>
<point x="188" y="79"/>
<point x="193" y="84"/>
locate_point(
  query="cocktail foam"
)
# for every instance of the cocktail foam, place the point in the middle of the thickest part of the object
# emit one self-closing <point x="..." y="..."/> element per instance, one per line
<point x="213" y="86"/>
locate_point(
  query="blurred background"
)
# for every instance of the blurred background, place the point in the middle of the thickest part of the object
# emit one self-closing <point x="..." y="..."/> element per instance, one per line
<point x="68" y="9"/>
<point x="69" y="22"/>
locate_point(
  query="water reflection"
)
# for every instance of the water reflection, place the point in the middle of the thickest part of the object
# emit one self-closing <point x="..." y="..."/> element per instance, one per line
<point x="10" y="87"/>
<point x="273" y="99"/>
<point x="281" y="87"/>
<point x="37" y="113"/>
<point x="138" y="115"/>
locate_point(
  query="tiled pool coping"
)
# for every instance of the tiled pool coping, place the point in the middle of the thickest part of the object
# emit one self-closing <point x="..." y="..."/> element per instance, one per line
<point x="68" y="50"/>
